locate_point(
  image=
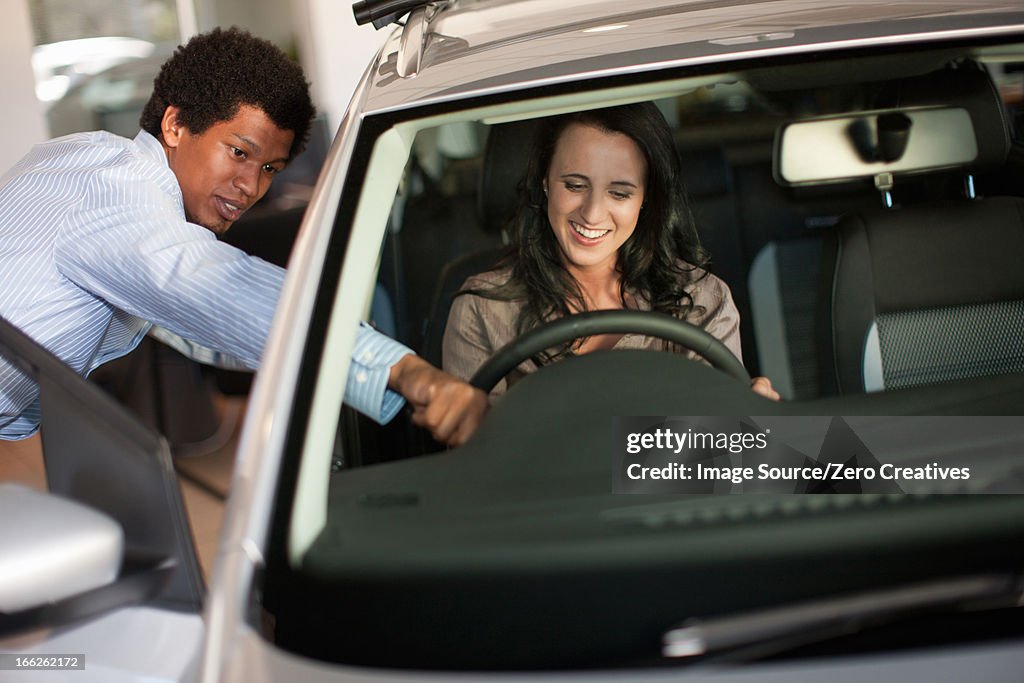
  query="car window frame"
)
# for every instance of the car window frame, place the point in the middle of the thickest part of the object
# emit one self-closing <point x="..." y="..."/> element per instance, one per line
<point x="362" y="223"/>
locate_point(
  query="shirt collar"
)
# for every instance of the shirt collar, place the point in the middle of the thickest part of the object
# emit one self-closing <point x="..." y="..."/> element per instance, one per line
<point x="151" y="147"/>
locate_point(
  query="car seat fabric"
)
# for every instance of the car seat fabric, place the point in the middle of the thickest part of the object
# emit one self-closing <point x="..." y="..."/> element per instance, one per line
<point x="925" y="294"/>
<point x="506" y="154"/>
<point x="952" y="342"/>
<point x="920" y="294"/>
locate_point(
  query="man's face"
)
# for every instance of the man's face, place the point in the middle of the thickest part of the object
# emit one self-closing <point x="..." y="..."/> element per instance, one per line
<point x="227" y="168"/>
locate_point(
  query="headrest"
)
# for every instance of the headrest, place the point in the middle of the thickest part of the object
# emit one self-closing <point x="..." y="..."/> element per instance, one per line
<point x="506" y="155"/>
<point x="951" y="118"/>
<point x="966" y="85"/>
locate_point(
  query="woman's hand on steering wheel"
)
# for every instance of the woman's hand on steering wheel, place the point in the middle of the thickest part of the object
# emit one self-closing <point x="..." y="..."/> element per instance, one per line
<point x="593" y="323"/>
<point x="763" y="386"/>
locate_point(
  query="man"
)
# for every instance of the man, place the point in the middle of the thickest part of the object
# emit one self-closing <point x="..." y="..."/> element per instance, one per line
<point x="102" y="237"/>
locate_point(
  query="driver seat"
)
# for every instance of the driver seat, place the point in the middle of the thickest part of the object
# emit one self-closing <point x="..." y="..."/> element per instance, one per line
<point x="505" y="158"/>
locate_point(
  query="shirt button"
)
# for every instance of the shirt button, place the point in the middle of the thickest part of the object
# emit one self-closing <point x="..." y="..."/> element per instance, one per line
<point x="361" y="376"/>
<point x="367" y="356"/>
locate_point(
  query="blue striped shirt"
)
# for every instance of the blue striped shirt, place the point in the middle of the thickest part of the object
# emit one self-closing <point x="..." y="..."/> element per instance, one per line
<point x="95" y="249"/>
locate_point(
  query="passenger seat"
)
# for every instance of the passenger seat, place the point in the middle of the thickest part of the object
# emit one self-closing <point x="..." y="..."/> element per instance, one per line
<point x="915" y="295"/>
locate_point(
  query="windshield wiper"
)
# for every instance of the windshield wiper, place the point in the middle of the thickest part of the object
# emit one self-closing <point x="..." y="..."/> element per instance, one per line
<point x="760" y="633"/>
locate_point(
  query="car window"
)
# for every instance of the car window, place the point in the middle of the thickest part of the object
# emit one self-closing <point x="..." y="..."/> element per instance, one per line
<point x="503" y="540"/>
<point x="1009" y="78"/>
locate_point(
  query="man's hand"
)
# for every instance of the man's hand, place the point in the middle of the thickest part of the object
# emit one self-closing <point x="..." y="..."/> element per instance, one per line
<point x="763" y="386"/>
<point x="448" y="407"/>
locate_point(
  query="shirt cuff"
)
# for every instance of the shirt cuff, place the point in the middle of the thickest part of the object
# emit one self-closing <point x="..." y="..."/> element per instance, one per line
<point x="367" y="387"/>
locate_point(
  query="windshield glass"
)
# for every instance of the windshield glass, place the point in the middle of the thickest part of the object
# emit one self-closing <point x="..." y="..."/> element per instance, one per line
<point x="673" y="200"/>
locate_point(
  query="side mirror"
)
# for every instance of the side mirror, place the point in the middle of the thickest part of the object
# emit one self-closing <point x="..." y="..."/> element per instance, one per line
<point x="113" y="468"/>
<point x="53" y="548"/>
<point x="62" y="561"/>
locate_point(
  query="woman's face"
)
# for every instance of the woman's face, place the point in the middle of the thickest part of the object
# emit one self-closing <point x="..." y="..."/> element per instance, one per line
<point x="595" y="188"/>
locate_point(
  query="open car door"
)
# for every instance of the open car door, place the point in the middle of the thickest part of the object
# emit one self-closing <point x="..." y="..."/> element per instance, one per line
<point x="113" y="500"/>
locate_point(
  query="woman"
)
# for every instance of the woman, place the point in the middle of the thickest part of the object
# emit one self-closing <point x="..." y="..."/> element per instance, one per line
<point x="603" y="225"/>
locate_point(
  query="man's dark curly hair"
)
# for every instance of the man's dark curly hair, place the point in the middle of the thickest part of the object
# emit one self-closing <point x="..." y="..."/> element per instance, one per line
<point x="215" y="73"/>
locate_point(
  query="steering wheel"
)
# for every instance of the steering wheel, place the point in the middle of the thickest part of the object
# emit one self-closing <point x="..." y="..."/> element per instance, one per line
<point x="591" y="323"/>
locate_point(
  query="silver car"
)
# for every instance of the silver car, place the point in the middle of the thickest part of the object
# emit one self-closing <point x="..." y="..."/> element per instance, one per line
<point x="855" y="171"/>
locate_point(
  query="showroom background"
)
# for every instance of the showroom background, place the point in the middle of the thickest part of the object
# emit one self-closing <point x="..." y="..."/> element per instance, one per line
<point x="332" y="49"/>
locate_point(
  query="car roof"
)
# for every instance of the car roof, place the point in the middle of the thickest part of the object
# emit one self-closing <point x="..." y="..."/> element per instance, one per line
<point x="474" y="47"/>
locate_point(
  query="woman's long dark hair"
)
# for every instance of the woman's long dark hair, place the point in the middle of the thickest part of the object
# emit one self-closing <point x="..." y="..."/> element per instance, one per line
<point x="649" y="262"/>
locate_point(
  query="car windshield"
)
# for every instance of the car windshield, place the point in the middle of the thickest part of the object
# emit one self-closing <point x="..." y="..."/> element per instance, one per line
<point x="850" y="279"/>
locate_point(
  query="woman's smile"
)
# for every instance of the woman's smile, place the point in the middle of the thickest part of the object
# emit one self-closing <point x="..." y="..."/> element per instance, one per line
<point x="588" y="235"/>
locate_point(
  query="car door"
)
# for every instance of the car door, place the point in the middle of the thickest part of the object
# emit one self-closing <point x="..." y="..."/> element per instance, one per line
<point x="143" y="621"/>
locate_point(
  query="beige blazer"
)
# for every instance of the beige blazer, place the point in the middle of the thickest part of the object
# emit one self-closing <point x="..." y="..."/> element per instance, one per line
<point x="477" y="327"/>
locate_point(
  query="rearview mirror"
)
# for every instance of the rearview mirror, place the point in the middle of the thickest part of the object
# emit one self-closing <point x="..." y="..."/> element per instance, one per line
<point x="845" y="148"/>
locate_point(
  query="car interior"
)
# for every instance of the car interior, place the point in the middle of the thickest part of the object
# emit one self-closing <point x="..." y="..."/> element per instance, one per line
<point x="895" y="268"/>
<point x="882" y="282"/>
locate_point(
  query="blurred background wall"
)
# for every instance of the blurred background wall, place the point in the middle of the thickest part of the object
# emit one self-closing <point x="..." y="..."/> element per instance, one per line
<point x="71" y="65"/>
<point x="22" y="118"/>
